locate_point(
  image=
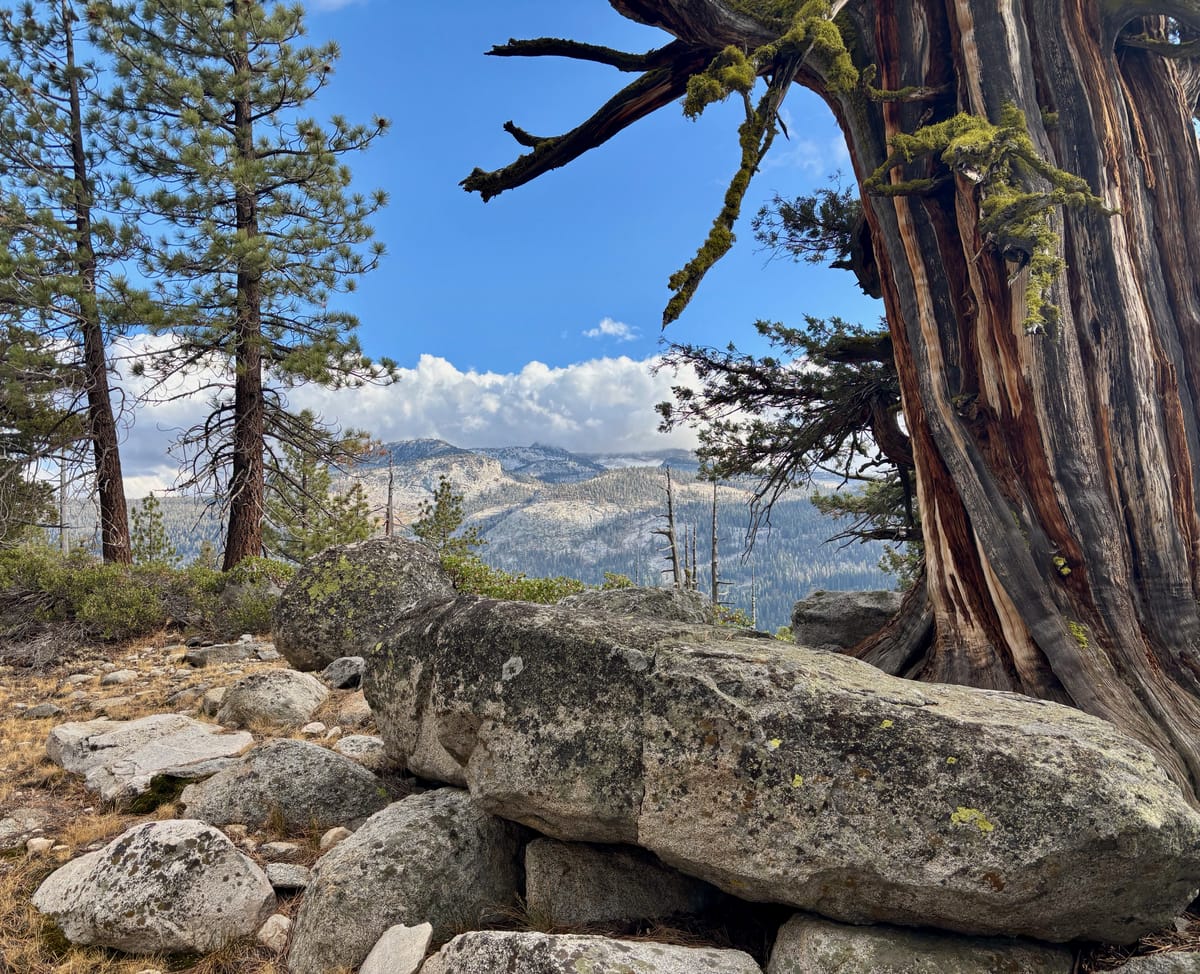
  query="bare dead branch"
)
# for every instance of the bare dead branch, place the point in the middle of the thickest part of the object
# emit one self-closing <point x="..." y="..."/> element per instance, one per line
<point x="647" y="94"/>
<point x="557" y="47"/>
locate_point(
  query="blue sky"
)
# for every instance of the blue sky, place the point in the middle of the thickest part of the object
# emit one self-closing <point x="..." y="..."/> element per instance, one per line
<point x="534" y="316"/>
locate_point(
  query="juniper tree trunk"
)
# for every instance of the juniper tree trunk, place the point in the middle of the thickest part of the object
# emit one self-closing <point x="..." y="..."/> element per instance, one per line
<point x="1057" y="471"/>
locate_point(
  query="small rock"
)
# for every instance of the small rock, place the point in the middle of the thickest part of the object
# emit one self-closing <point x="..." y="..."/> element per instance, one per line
<point x="223" y="653"/>
<point x="42" y="711"/>
<point x="38" y="846"/>
<point x="281" y="697"/>
<point x="333" y="734"/>
<point x="273" y="851"/>
<point x="274" y="933"/>
<point x="368" y="751"/>
<point x="344" y="673"/>
<point x="314" y="729"/>
<point x="246" y="637"/>
<point x="268" y="654"/>
<point x="236" y="831"/>
<point x="118" y="677"/>
<point x="354" y="711"/>
<point x="400" y="950"/>
<point x="77" y="678"/>
<point x="20" y="825"/>
<point x="210" y="703"/>
<point x="335" y="835"/>
<point x="1173" y="962"/>
<point x="287" y="876"/>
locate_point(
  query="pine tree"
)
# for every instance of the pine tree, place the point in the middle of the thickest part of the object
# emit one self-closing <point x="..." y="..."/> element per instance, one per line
<point x="441" y="520"/>
<point x="304" y="514"/>
<point x="59" y="250"/>
<point x="262" y="229"/>
<point x="151" y="546"/>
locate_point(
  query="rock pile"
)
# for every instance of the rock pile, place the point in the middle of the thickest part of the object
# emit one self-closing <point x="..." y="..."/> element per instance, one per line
<point x="611" y="764"/>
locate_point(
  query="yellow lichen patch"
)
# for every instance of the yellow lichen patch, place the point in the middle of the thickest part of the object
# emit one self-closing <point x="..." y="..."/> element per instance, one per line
<point x="952" y="760"/>
<point x="972" y="816"/>
<point x="887" y="724"/>
<point x="773" y="744"/>
<point x="797" y="780"/>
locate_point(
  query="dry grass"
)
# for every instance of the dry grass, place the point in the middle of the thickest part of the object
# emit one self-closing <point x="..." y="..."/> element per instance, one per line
<point x="78" y="820"/>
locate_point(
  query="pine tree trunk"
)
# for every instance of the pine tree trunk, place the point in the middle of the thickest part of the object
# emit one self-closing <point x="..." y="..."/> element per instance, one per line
<point x="102" y="424"/>
<point x="1057" y="473"/>
<point x="247" y="483"/>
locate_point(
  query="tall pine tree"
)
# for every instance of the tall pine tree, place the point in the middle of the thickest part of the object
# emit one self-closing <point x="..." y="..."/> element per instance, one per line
<point x="262" y="227"/>
<point x="61" y="252"/>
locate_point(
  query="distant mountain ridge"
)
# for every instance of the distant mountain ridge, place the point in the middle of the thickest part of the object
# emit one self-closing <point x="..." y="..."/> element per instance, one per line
<point x="544" y="510"/>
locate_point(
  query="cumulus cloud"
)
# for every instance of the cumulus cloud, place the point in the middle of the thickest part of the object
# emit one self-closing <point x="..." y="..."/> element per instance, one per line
<point x="598" y="406"/>
<point x="608" y="328"/>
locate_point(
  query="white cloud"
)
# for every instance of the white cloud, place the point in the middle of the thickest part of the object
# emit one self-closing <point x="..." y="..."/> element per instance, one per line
<point x="601" y="405"/>
<point x="608" y="328"/>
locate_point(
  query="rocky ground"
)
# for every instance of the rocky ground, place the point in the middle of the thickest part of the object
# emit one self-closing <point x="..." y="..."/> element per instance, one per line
<point x="48" y="817"/>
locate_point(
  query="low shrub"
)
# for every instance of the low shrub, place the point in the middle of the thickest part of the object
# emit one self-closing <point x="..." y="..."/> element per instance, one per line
<point x="473" y="577"/>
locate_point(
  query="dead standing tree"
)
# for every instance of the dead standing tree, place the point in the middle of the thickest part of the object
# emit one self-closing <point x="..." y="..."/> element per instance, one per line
<point x="672" y="554"/>
<point x="1031" y="186"/>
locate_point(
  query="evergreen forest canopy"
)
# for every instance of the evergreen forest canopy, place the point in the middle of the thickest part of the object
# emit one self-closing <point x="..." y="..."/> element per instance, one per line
<point x="173" y="182"/>
<point x="1029" y="185"/>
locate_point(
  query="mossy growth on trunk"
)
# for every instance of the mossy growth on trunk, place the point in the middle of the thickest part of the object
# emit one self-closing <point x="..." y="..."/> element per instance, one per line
<point x="1001" y="159"/>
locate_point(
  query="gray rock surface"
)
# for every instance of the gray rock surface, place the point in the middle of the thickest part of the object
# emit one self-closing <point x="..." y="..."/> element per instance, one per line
<point x="166" y="887"/>
<point x="839" y="620"/>
<point x="573" y="884"/>
<point x="19" y="824"/>
<point x="283" y="698"/>
<point x="661" y="604"/>
<point x="303" y="784"/>
<point x="367" y="750"/>
<point x="489" y="952"/>
<point x="786" y="775"/>
<point x="1175" y="962"/>
<point x="288" y="876"/>
<point x="810" y="945"/>
<point x="41" y="711"/>
<point x="344" y="673"/>
<point x="432" y="858"/>
<point x="120" y="759"/>
<point x="200" y="656"/>
<point x="400" y="950"/>
<point x="344" y="600"/>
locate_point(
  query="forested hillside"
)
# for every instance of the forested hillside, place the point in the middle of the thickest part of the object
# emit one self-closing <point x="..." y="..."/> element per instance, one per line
<point x="557" y="524"/>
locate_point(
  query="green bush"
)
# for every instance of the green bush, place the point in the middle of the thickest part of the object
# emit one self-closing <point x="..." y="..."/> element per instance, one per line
<point x="473" y="577"/>
<point x="114" y="602"/>
<point x="260" y="571"/>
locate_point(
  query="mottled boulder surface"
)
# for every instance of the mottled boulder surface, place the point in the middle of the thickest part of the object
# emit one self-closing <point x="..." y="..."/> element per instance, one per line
<point x="786" y="775"/>
<point x="810" y="945"/>
<point x="432" y="858"/>
<point x="305" y="785"/>
<point x="839" y="620"/>
<point x="662" y="604"/>
<point x="345" y="599"/>
<point x="165" y="887"/>
<point x="488" y="952"/>
<point x="573" y="884"/>
<point x="283" y="698"/>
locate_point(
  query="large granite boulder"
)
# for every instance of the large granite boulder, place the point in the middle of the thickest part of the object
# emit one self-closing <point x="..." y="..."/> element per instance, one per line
<point x="303" y="784"/>
<point x="345" y="599"/>
<point x="488" y="952"/>
<point x="840" y="620"/>
<point x="810" y="945"/>
<point x="786" y="775"/>
<point x="663" y="604"/>
<point x="121" y="759"/>
<point x="279" y="698"/>
<point x="161" y="887"/>
<point x="432" y="858"/>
